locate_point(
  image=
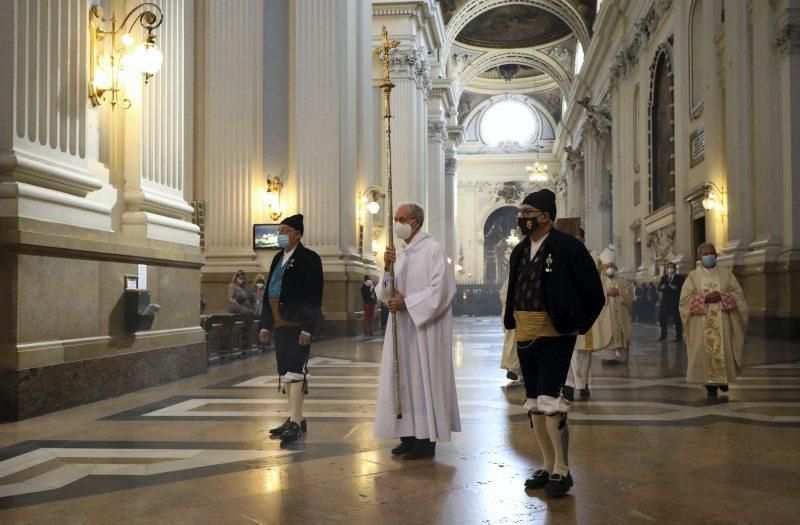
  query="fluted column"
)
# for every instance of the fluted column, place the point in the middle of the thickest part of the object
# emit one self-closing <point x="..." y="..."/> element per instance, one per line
<point x="738" y="101"/>
<point x="48" y="149"/>
<point x="450" y="188"/>
<point x="158" y="139"/>
<point x="230" y="127"/>
<point x="436" y="215"/>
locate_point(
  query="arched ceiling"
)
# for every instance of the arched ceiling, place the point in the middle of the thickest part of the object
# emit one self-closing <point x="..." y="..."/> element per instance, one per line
<point x="514" y="46"/>
<point x="511" y="26"/>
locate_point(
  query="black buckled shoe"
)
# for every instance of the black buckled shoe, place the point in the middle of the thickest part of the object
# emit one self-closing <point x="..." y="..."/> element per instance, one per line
<point x="405" y="445"/>
<point x="292" y="433"/>
<point x="559" y="485"/>
<point x="421" y="449"/>
<point x="723" y="388"/>
<point x="278" y="431"/>
<point x="512" y="376"/>
<point x="538" y="480"/>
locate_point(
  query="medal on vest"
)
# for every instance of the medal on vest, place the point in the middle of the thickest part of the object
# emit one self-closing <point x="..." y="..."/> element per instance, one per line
<point x="549" y="263"/>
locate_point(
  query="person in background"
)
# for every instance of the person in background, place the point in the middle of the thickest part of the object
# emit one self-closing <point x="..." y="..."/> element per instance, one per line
<point x="652" y="301"/>
<point x="241" y="299"/>
<point x="613" y="327"/>
<point x="259" y="285"/>
<point x="369" y="302"/>
<point x="670" y="288"/>
<point x="714" y="313"/>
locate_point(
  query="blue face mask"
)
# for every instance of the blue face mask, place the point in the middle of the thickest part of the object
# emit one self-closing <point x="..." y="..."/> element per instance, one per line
<point x="283" y="241"/>
<point x="709" y="261"/>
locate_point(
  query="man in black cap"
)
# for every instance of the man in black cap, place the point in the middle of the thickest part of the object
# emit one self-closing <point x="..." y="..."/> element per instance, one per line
<point x="554" y="294"/>
<point x="292" y="308"/>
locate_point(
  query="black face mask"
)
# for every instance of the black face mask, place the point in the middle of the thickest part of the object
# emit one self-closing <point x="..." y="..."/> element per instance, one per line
<point x="528" y="226"/>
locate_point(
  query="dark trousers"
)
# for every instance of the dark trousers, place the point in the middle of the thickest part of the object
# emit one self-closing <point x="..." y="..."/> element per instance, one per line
<point x="384" y="315"/>
<point x="545" y="364"/>
<point x="666" y="312"/>
<point x="291" y="356"/>
<point x="369" y="315"/>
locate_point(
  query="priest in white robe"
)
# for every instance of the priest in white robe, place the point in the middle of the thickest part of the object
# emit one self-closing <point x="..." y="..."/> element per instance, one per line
<point x="422" y="308"/>
<point x="714" y="314"/>
<point x="612" y="330"/>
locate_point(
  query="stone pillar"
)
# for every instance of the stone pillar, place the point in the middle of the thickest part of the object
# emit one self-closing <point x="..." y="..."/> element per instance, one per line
<point x="328" y="143"/>
<point x="48" y="135"/>
<point x="450" y="200"/>
<point x="787" y="44"/>
<point x="738" y="102"/>
<point x="436" y="213"/>
<point x="158" y="146"/>
<point x="229" y="131"/>
<point x="419" y="28"/>
<point x="89" y="197"/>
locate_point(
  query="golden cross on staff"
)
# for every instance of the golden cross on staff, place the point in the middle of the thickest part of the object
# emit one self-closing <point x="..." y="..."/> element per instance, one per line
<point x="384" y="51"/>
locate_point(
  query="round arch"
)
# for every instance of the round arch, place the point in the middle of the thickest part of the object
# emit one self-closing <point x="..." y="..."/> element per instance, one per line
<point x="535" y="60"/>
<point x="541" y="110"/>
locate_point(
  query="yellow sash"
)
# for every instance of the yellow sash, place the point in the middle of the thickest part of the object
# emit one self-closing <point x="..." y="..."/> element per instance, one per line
<point x="531" y="325"/>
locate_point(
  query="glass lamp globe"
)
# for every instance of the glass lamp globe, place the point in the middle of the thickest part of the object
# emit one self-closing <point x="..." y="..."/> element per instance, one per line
<point x="148" y="58"/>
<point x="373" y="207"/>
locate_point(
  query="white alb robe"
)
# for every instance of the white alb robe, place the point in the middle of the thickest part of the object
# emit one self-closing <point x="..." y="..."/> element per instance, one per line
<point x="425" y="347"/>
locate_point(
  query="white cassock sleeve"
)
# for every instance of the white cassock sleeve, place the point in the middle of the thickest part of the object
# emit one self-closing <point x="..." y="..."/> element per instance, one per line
<point x="382" y="289"/>
<point x="433" y="300"/>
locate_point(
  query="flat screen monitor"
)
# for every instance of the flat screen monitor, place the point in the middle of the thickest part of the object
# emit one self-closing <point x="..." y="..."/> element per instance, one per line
<point x="265" y="236"/>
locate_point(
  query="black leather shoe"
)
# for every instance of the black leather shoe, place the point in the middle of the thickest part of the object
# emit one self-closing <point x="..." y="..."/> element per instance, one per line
<point x="293" y="432"/>
<point x="405" y="445"/>
<point x="724" y="388"/>
<point x="584" y="392"/>
<point x="538" y="480"/>
<point x="568" y="392"/>
<point x="711" y="391"/>
<point x="421" y="449"/>
<point x="559" y="485"/>
<point x="512" y="376"/>
<point x="277" y="431"/>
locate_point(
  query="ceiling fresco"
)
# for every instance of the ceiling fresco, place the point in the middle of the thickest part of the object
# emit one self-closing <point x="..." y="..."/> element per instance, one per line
<point x="513" y="26"/>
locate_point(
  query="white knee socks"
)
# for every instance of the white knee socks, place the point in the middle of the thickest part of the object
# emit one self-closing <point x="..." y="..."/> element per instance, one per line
<point x="296" y="396"/>
<point x="558" y="432"/>
<point x="540" y="429"/>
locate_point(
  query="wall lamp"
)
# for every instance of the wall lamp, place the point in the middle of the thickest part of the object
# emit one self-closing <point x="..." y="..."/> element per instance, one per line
<point x="107" y="70"/>
<point x="272" y="197"/>
<point x="713" y="199"/>
<point x="368" y="201"/>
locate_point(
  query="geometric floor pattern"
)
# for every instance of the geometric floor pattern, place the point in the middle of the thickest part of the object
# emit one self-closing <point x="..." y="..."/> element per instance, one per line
<point x="646" y="448"/>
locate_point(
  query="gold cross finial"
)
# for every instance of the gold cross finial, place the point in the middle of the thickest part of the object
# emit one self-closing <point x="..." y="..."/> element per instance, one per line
<point x="384" y="50"/>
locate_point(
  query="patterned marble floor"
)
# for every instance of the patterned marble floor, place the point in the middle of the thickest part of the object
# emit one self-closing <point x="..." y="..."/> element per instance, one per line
<point x="647" y="447"/>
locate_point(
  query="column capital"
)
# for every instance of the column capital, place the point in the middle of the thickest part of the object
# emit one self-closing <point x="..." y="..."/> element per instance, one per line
<point x="437" y="131"/>
<point x="787" y="36"/>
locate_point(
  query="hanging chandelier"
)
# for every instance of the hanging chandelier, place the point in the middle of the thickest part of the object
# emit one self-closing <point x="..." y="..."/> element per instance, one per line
<point x="537" y="172"/>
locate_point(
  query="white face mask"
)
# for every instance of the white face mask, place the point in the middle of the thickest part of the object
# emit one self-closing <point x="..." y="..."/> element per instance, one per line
<point x="610" y="272"/>
<point x="402" y="231"/>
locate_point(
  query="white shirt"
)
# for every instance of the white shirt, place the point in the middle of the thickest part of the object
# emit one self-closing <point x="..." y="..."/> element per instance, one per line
<point x="535" y="245"/>
<point x="287" y="256"/>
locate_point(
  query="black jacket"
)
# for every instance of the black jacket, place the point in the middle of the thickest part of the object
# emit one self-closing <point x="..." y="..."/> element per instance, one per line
<point x="670" y="297"/>
<point x="301" y="291"/>
<point x="573" y="292"/>
<point x="368" y="294"/>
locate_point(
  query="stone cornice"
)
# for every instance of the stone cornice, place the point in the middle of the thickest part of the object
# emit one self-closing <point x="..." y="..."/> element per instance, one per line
<point x="627" y="58"/>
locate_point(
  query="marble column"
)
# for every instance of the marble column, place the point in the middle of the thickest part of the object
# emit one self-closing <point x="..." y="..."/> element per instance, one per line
<point x="436" y="213"/>
<point x="451" y="241"/>
<point x="229" y="129"/>
<point x="738" y="101"/>
<point x="331" y="150"/>
<point x="48" y="135"/>
<point x="158" y="146"/>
